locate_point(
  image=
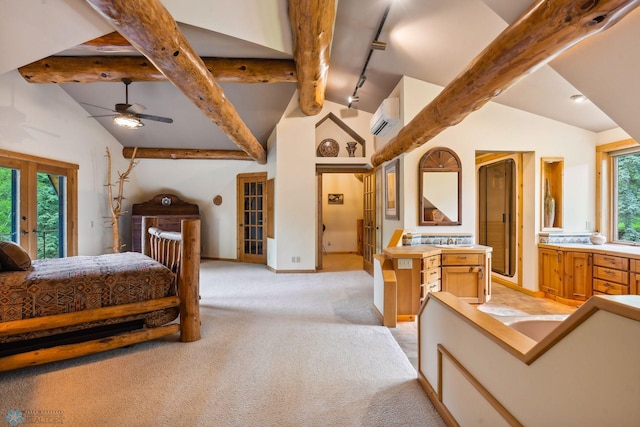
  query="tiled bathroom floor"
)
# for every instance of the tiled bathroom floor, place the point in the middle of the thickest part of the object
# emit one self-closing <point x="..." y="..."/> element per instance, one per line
<point x="504" y="302"/>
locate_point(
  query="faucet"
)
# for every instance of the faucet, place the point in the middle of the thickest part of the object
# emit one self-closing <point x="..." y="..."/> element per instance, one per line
<point x="450" y="241"/>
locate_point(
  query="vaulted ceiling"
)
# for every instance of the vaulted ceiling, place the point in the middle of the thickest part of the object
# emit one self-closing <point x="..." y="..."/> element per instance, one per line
<point x="431" y="40"/>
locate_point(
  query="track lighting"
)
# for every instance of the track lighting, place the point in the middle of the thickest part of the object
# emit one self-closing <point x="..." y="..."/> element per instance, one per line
<point x="353" y="98"/>
<point x="378" y="45"/>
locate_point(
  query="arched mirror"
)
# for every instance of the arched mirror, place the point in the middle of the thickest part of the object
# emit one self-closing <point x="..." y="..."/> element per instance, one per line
<point x="439" y="176"/>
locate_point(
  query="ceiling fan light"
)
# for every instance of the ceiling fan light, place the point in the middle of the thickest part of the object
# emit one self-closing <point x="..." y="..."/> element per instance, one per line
<point x="128" y="121"/>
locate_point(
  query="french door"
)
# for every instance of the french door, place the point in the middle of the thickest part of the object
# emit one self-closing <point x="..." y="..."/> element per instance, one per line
<point x="38" y="205"/>
<point x="369" y="221"/>
<point x="252" y="239"/>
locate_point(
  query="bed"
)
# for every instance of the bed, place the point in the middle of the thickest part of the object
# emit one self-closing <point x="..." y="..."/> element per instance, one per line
<point x="56" y="309"/>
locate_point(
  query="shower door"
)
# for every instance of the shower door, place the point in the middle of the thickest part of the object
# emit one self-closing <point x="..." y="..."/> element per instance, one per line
<point x="497" y="210"/>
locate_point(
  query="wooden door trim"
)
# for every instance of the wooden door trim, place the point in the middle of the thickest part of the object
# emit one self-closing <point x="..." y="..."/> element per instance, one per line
<point x="240" y="212"/>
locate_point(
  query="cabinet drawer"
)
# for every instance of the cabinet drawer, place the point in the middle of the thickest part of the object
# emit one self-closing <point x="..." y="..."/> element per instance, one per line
<point x="431" y="287"/>
<point x="635" y="265"/>
<point x="611" y="261"/>
<point x="431" y="262"/>
<point x="462" y="259"/>
<point x="430" y="276"/>
<point x="610" y="274"/>
<point x="609" y="288"/>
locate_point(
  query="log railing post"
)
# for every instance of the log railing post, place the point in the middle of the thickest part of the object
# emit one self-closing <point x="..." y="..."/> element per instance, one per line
<point x="189" y="281"/>
<point x="147" y="221"/>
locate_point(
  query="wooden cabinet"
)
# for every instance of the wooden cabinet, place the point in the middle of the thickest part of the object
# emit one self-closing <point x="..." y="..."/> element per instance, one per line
<point x="430" y="276"/>
<point x="170" y="210"/>
<point x="610" y="274"/>
<point x="635" y="277"/>
<point x="578" y="275"/>
<point x="467" y="275"/>
<point x="550" y="271"/>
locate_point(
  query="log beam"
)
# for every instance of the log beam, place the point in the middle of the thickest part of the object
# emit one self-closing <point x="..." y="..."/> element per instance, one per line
<point x="541" y="33"/>
<point x="184" y="153"/>
<point x="312" y="24"/>
<point x="92" y="69"/>
<point x="151" y="29"/>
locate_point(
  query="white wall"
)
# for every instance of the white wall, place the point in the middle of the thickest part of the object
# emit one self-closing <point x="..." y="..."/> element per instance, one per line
<point x="499" y="128"/>
<point x="199" y="181"/>
<point x="42" y="120"/>
<point x="340" y="220"/>
<point x="295" y="185"/>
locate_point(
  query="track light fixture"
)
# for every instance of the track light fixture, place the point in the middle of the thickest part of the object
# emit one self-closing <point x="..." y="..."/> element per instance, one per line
<point x="375" y="45"/>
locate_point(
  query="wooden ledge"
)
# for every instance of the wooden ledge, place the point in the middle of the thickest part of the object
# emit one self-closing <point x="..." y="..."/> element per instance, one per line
<point x="521" y="346"/>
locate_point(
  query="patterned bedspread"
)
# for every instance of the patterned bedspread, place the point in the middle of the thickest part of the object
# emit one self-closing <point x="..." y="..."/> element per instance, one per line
<point x="64" y="285"/>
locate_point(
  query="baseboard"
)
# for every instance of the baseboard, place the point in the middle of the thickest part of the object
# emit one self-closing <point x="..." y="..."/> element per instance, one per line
<point x="341" y="253"/>
<point x="218" y="259"/>
<point x="290" y="271"/>
<point x="516" y="287"/>
<point x="565" y="301"/>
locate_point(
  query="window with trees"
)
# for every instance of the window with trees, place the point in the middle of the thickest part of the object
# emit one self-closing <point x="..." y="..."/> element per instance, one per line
<point x="626" y="196"/>
<point x="38" y="204"/>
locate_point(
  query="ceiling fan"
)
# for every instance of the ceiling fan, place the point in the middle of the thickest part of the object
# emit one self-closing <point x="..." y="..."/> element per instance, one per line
<point x="126" y="116"/>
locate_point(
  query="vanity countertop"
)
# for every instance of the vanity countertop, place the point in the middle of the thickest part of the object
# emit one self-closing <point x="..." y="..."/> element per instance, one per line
<point x="421" y="251"/>
<point x="607" y="248"/>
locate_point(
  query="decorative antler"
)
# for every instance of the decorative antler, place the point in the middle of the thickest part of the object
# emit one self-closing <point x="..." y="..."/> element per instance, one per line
<point x="115" y="203"/>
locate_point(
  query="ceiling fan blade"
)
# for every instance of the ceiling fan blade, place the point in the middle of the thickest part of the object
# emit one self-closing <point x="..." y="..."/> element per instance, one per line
<point x="156" y="118"/>
<point x="97" y="106"/>
<point x="105" y="115"/>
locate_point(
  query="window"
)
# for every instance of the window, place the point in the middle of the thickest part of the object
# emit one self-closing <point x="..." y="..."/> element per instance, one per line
<point x="626" y="196"/>
<point x="38" y="204"/>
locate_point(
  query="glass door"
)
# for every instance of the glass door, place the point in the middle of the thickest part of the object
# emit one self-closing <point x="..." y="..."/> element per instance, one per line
<point x="50" y="236"/>
<point x="252" y="242"/>
<point x="38" y="205"/>
<point x="497" y="225"/>
<point x="369" y="221"/>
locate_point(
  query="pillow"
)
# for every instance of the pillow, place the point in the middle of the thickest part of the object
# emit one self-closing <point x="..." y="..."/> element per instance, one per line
<point x="13" y="257"/>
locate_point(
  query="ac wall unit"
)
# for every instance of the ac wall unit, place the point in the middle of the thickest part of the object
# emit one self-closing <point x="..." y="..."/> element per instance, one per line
<point x="386" y="117"/>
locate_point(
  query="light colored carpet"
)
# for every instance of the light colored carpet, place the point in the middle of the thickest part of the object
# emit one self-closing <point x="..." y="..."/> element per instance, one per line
<point x="277" y="350"/>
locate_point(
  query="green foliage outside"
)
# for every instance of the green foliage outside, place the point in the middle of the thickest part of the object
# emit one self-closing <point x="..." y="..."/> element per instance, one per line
<point x="629" y="197"/>
<point x="48" y="208"/>
<point x="5" y="204"/>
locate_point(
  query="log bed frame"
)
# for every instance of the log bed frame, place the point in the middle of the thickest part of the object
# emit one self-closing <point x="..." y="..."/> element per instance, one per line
<point x="179" y="251"/>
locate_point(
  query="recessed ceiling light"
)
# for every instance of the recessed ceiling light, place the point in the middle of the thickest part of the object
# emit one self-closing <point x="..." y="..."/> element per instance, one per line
<point x="578" y="98"/>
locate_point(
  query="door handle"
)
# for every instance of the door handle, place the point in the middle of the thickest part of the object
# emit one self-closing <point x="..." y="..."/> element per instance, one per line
<point x="24" y="232"/>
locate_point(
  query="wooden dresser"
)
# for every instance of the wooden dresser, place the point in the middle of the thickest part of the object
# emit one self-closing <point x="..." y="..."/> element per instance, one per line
<point x="170" y="210"/>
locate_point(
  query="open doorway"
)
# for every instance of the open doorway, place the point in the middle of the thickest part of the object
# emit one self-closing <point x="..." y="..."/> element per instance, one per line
<point x="340" y="221"/>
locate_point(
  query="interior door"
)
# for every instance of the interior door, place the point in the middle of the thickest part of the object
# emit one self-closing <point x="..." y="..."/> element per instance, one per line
<point x="369" y="221"/>
<point x="252" y="239"/>
<point x="497" y="225"/>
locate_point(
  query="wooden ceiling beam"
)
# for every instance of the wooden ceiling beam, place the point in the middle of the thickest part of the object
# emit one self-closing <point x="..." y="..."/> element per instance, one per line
<point x="92" y="69"/>
<point x="541" y="33"/>
<point x="185" y="153"/>
<point x="312" y="24"/>
<point x="151" y="29"/>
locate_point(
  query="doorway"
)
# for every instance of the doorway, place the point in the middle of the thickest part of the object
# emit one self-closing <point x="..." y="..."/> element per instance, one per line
<point x="497" y="210"/>
<point x="252" y="237"/>
<point x="340" y="230"/>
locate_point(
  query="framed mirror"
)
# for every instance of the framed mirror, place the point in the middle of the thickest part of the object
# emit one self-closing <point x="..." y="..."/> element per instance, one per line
<point x="440" y="183"/>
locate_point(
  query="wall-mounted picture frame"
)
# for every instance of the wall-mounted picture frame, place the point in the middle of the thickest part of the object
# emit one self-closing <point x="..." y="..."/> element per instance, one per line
<point x="335" y="199"/>
<point x="392" y="190"/>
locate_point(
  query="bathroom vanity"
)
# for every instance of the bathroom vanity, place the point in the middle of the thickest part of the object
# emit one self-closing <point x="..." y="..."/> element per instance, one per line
<point x="463" y="270"/>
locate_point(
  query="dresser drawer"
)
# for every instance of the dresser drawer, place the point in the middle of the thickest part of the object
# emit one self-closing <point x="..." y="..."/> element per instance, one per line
<point x="431" y="287"/>
<point x="611" y="261"/>
<point x="431" y="262"/>
<point x="431" y="276"/>
<point x="462" y="259"/>
<point x="612" y="275"/>
<point x="609" y="288"/>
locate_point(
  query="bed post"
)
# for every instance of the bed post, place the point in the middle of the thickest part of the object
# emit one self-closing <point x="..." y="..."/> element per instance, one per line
<point x="189" y="281"/>
<point x="147" y="221"/>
